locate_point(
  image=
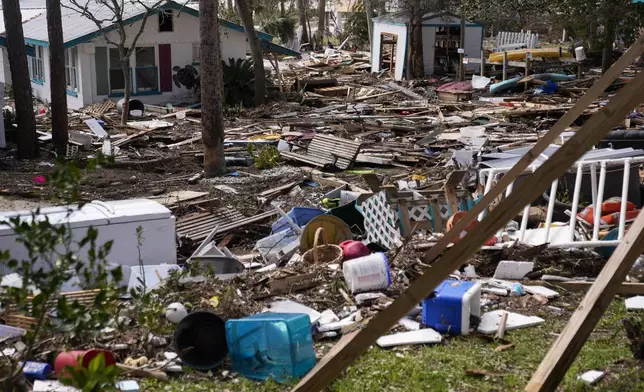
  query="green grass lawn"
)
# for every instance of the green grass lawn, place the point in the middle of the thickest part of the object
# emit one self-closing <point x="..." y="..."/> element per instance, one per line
<point x="442" y="367"/>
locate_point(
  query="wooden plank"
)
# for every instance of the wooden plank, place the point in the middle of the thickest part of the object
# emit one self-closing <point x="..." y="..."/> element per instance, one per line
<point x="563" y="353"/>
<point x="590" y="133"/>
<point x="624" y="288"/>
<point x="450" y="195"/>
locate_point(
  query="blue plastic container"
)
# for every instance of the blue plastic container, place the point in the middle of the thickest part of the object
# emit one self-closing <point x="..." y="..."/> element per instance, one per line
<point x="449" y="308"/>
<point x="300" y="215"/>
<point x="36" y="370"/>
<point x="277" y="345"/>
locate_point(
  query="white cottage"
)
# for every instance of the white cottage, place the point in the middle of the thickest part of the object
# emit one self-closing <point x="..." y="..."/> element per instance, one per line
<point x="169" y="42"/>
<point x="441" y="36"/>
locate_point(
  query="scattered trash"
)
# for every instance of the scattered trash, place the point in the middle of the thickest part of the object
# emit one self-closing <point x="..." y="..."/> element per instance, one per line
<point x="277" y="345"/>
<point x="175" y="312"/>
<point x="591" y="377"/>
<point x="490" y="321"/>
<point x="423" y="336"/>
<point x="635" y="303"/>
<point x="367" y="273"/>
<point x="449" y="309"/>
<point x="507" y="269"/>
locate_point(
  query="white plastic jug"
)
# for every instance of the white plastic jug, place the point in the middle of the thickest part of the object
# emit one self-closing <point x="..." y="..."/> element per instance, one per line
<point x="367" y="273"/>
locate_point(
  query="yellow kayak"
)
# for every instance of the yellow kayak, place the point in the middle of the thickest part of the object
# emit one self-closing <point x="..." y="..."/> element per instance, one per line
<point x="520" y="54"/>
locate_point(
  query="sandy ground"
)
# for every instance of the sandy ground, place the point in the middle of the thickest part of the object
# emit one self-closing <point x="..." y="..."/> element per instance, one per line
<point x="10" y="204"/>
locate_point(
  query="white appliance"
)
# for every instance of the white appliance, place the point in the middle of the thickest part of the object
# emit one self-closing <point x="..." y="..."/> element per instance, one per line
<point x="114" y="220"/>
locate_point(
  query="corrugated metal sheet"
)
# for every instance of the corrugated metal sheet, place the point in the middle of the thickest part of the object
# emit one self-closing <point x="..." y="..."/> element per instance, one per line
<point x="198" y="226"/>
<point x="27" y="14"/>
<point x="76" y="25"/>
<point x="509" y="158"/>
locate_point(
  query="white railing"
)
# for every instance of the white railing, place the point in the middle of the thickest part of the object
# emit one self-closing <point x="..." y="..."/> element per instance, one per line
<point x="506" y="40"/>
<point x="574" y="240"/>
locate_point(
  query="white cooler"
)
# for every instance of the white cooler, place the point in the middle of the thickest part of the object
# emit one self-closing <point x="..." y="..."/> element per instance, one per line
<point x="114" y="220"/>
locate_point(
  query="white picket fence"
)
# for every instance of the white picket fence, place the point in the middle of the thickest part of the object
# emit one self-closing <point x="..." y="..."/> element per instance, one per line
<point x="506" y="40"/>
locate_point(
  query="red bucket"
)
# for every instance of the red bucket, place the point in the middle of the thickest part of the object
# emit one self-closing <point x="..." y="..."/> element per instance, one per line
<point x="70" y="358"/>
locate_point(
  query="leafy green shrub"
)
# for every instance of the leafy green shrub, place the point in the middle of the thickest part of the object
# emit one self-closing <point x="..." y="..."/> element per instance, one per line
<point x="265" y="157"/>
<point x="239" y="81"/>
<point x="95" y="378"/>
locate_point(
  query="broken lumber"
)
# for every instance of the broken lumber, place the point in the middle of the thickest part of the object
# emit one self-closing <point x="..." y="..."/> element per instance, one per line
<point x="590" y="133"/>
<point x="405" y="91"/>
<point x="569" y="343"/>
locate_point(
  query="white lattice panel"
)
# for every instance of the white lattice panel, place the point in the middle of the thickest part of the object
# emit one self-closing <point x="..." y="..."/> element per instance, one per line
<point x="381" y="221"/>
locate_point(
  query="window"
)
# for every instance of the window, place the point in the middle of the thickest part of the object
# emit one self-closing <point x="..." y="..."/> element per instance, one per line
<point x="35" y="64"/>
<point x="147" y="78"/>
<point x="71" y="74"/>
<point x="166" y="23"/>
<point x="117" y="81"/>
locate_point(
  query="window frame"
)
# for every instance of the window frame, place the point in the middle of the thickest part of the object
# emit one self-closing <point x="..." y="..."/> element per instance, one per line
<point x="134" y="82"/>
<point x="71" y="68"/>
<point x="162" y="15"/>
<point x="36" y="66"/>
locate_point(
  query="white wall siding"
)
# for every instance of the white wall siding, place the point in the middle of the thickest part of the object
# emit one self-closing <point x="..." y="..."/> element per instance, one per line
<point x="401" y="32"/>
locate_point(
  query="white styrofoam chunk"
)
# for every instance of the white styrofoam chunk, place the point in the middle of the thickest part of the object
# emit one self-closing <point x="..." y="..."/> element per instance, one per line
<point x="490" y="321"/>
<point x="494" y="290"/>
<point x="544" y="291"/>
<point x="409" y="324"/>
<point x="635" y="303"/>
<point x="328" y="317"/>
<point x="508" y="269"/>
<point x="288" y="306"/>
<point x="423" y="336"/>
<point x="592" y="376"/>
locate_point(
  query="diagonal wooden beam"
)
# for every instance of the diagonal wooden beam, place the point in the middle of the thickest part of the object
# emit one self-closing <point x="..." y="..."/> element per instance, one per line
<point x="563" y="353"/>
<point x="593" y="92"/>
<point x="592" y="132"/>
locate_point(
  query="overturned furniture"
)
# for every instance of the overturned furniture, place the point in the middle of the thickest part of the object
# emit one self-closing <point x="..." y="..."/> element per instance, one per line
<point x="598" y="176"/>
<point x="327" y="151"/>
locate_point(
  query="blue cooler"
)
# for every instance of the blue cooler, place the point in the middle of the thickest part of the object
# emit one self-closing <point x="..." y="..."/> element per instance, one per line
<point x="449" y="309"/>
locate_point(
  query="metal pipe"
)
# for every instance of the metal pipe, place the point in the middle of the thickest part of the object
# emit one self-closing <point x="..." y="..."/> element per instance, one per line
<point x="622" y="209"/>
<point x="585" y="244"/>
<point x="524" y="222"/>
<point x="593" y="182"/>
<point x="551" y="207"/>
<point x="597" y="213"/>
<point x="488" y="186"/>
<point x="575" y="202"/>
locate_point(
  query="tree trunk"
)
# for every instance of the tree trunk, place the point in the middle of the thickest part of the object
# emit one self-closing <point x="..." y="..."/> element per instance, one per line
<point x="21" y="84"/>
<point x="258" y="61"/>
<point x="127" y="93"/>
<point x="302" y="9"/>
<point x="321" y="22"/>
<point x="609" y="38"/>
<point x="282" y="8"/>
<point x="229" y="4"/>
<point x="415" y="65"/>
<point x="368" y="8"/>
<point x="57" y="82"/>
<point x="212" y="114"/>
